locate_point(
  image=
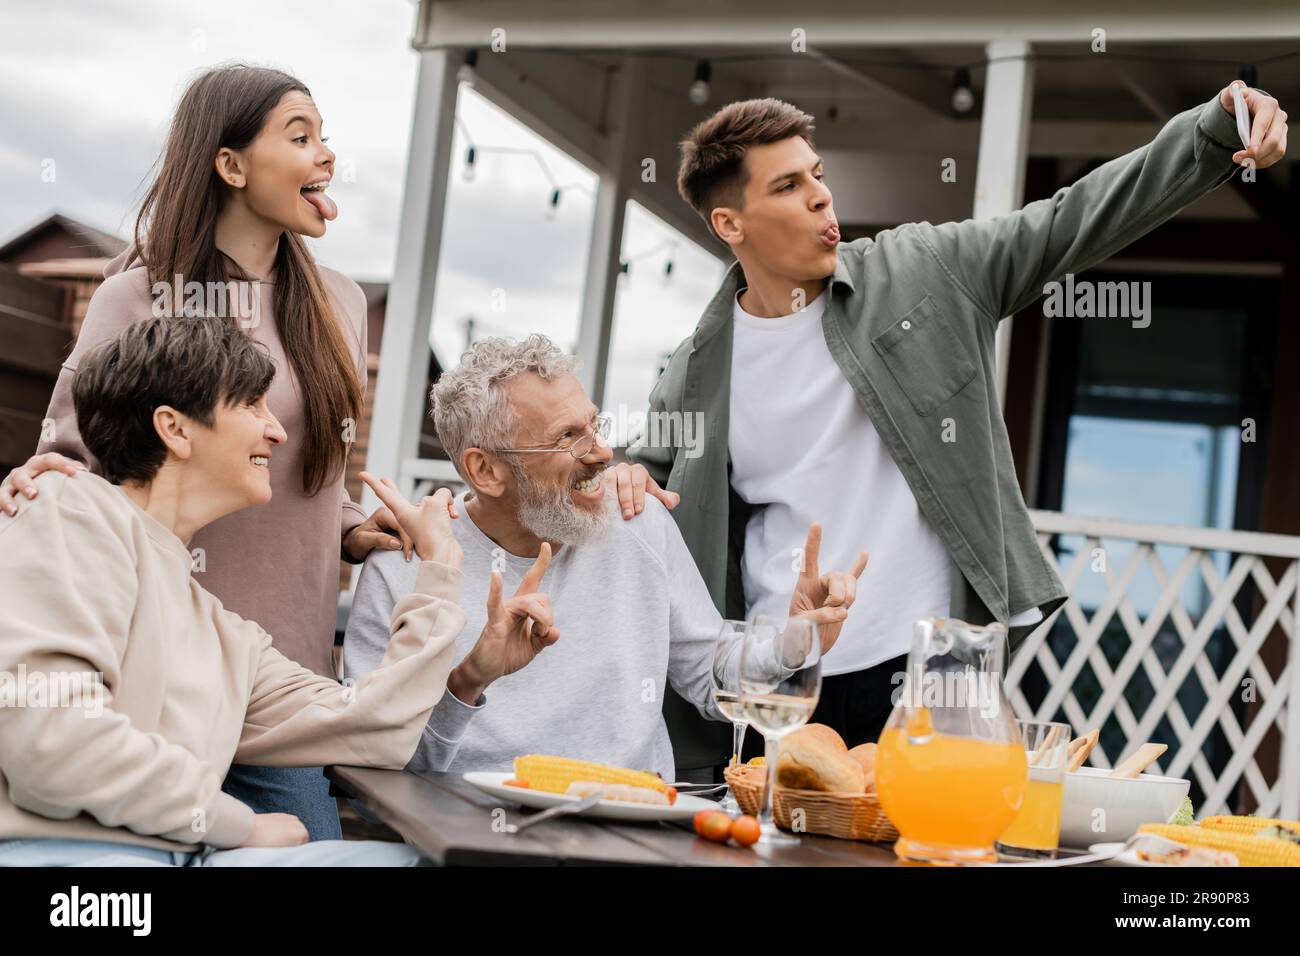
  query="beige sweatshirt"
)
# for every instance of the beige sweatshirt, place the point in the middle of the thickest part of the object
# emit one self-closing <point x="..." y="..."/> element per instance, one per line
<point x="93" y="583"/>
<point x="277" y="565"/>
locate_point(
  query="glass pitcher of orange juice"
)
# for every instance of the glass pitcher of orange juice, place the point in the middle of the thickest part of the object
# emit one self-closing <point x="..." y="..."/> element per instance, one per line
<point x="951" y="770"/>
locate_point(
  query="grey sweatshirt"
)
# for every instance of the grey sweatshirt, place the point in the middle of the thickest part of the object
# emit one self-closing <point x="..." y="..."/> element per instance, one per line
<point x="633" y="612"/>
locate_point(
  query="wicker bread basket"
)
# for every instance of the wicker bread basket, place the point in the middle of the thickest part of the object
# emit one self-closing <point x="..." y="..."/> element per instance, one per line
<point x="850" y="816"/>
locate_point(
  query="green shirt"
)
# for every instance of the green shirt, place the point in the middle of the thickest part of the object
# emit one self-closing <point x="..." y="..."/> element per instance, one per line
<point x="910" y="321"/>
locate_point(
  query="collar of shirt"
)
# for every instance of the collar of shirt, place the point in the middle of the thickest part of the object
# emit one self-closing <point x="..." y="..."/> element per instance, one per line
<point x="809" y="314"/>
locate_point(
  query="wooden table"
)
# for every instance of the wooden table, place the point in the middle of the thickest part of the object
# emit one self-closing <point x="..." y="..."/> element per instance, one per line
<point x="452" y="823"/>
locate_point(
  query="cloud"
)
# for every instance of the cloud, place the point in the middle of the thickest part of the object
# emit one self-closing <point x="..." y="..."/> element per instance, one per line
<point x="93" y="87"/>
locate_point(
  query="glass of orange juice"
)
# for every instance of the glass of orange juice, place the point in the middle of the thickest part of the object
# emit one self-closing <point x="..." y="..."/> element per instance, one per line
<point x="951" y="768"/>
<point x="1034" y="832"/>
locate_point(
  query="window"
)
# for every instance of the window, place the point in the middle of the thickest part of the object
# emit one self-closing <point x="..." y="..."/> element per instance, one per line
<point x="1149" y="471"/>
<point x="513" y="261"/>
<point x="656" y="308"/>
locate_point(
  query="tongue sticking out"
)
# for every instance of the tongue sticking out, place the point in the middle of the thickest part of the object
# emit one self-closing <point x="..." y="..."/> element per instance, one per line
<point x="324" y="205"/>
<point x="831" y="234"/>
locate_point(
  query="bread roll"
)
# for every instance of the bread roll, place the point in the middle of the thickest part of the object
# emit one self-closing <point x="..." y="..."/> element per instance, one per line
<point x="816" y="758"/>
<point x="820" y="730"/>
<point x="865" y="755"/>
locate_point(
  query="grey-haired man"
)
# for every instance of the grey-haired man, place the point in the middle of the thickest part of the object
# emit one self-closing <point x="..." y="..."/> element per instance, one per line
<point x="582" y="671"/>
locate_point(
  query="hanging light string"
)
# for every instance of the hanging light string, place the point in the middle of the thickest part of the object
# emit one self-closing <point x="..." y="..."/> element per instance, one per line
<point x="699" y="90"/>
<point x="625" y="264"/>
<point x="474" y="149"/>
<point x="779" y="52"/>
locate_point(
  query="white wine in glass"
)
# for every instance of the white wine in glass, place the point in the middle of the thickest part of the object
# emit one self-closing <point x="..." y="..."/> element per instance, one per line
<point x="780" y="684"/>
<point x="778" y="714"/>
<point x="726" y="693"/>
<point x="728" y="702"/>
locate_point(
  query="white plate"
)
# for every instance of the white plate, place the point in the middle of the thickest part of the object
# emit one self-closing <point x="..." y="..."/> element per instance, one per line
<point x="1128" y="858"/>
<point x="1131" y="857"/>
<point x="494" y="783"/>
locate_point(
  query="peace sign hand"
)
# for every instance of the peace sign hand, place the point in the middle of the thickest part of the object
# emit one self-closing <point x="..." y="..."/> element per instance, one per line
<point x="518" y="628"/>
<point x="825" y="599"/>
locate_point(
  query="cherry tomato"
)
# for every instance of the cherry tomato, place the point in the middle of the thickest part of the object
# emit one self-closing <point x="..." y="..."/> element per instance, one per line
<point x="745" y="830"/>
<point x="713" y="825"/>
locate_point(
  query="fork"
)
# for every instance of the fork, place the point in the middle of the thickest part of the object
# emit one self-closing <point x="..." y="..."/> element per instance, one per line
<point x="698" y="789"/>
<point x="581" y="806"/>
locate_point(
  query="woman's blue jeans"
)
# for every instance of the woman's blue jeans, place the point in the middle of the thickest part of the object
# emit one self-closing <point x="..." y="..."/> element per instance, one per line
<point x="302" y="791"/>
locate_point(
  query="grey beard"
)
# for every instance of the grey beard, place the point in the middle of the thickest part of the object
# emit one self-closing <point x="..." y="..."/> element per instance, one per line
<point x="547" y="512"/>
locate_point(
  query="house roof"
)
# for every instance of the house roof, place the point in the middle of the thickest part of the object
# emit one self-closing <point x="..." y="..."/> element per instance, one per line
<point x="94" y="242"/>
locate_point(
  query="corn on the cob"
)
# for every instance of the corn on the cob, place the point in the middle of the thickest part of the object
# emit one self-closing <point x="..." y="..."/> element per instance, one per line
<point x="554" y="774"/>
<point x="1247" y="825"/>
<point x="1249" y="850"/>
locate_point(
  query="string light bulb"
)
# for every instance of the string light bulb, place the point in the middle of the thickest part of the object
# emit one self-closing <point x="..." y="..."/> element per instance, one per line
<point x="963" y="97"/>
<point x="699" y="91"/>
<point x="467" y="73"/>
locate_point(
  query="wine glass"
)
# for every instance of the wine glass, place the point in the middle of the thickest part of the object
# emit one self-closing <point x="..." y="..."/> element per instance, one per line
<point x="726" y="694"/>
<point x="780" y="682"/>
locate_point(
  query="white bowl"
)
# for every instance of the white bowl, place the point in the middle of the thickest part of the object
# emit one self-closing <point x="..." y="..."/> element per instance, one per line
<point x="1099" y="808"/>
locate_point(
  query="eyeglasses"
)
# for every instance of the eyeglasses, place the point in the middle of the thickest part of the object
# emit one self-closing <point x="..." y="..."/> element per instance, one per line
<point x="579" y="449"/>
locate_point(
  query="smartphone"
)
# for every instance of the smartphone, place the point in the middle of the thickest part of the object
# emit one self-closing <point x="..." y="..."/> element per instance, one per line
<point x="1243" y="114"/>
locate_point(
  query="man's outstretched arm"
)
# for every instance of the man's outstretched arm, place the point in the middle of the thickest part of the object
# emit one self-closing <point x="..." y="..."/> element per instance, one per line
<point x="1002" y="264"/>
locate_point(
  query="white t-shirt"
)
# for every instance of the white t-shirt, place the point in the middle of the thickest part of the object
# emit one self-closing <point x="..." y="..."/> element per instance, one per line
<point x="803" y="450"/>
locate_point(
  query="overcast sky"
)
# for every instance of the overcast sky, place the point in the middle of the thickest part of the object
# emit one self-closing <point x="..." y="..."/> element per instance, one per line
<point x="91" y="87"/>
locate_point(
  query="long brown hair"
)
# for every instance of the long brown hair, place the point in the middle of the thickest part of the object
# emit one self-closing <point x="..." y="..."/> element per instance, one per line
<point x="175" y="234"/>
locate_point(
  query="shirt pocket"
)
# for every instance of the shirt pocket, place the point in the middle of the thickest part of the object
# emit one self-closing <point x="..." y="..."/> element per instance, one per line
<point x="927" y="359"/>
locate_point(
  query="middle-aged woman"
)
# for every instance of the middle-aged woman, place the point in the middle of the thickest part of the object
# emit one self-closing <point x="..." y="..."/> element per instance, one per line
<point x="239" y="184"/>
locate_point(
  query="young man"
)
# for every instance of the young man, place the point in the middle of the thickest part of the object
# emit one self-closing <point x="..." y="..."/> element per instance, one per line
<point x="634" y="613"/>
<point x="126" y="689"/>
<point x="859" y="379"/>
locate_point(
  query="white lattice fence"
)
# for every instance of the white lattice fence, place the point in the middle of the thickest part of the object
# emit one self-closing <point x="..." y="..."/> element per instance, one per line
<point x="1280" y="608"/>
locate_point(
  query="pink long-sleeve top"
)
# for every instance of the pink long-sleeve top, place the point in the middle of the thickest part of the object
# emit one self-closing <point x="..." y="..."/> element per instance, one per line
<point x="277" y="564"/>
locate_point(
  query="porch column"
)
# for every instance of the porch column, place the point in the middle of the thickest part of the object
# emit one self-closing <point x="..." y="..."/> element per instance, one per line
<point x="1003" y="152"/>
<point x="613" y="189"/>
<point x="400" y="401"/>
